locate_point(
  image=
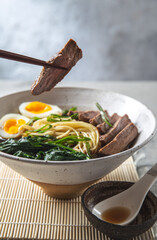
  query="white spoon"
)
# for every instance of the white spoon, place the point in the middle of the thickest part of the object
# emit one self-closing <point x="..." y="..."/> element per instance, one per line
<point x="130" y="199"/>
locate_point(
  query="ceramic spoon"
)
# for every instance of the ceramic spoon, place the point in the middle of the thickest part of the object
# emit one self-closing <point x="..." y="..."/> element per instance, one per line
<point x="131" y="199"/>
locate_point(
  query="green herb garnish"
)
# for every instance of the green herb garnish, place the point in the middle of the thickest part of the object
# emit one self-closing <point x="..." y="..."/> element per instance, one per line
<point x="59" y="118"/>
<point x="74" y="116"/>
<point x="32" y="120"/>
<point x="43" y="129"/>
<point x="72" y="139"/>
<point x="65" y="112"/>
<point x="88" y="149"/>
<point x="73" y="109"/>
<point x="104" y="115"/>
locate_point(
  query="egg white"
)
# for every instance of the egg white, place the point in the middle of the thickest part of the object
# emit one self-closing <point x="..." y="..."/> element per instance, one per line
<point x="6" y="117"/>
<point x="55" y="110"/>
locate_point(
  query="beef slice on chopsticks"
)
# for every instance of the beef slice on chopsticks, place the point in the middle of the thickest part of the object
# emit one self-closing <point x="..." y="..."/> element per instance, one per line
<point x="49" y="77"/>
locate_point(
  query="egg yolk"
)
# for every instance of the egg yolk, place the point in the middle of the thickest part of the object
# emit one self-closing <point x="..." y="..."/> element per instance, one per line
<point x="11" y="126"/>
<point x="38" y="107"/>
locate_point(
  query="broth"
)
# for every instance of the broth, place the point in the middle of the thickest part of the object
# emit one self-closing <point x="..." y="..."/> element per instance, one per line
<point x="116" y="215"/>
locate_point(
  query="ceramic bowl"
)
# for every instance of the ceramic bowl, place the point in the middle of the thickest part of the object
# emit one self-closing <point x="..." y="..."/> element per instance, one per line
<point x="144" y="220"/>
<point x="67" y="179"/>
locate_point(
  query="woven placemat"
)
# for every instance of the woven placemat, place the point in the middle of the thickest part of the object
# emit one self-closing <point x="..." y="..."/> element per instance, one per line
<point x="27" y="213"/>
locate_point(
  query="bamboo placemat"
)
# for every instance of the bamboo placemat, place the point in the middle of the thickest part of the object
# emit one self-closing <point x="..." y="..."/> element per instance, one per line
<point x="27" y="213"/>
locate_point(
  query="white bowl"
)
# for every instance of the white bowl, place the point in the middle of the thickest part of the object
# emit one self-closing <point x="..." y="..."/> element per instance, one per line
<point x="66" y="179"/>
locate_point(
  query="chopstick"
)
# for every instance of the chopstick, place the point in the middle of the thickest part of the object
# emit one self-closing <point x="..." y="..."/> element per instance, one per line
<point x="26" y="59"/>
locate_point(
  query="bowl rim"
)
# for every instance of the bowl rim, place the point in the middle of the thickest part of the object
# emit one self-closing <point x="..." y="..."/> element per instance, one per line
<point x="107" y="223"/>
<point x="113" y="156"/>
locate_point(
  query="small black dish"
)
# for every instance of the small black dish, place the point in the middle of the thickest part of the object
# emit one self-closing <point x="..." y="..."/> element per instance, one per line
<point x="144" y="220"/>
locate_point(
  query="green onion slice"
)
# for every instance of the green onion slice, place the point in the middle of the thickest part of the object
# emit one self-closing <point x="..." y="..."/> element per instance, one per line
<point x="103" y="115"/>
<point x="73" y="138"/>
<point x="58" y="118"/>
<point x="32" y="120"/>
<point x="43" y="129"/>
<point x="67" y="110"/>
<point x="88" y="150"/>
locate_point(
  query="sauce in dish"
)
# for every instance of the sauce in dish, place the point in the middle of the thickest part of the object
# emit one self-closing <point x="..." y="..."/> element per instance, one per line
<point x="116" y="215"/>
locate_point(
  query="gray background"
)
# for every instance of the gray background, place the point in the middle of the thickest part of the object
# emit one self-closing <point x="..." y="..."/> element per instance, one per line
<point x="118" y="37"/>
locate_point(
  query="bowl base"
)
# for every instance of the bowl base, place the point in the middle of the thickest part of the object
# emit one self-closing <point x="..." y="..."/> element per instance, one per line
<point x="64" y="191"/>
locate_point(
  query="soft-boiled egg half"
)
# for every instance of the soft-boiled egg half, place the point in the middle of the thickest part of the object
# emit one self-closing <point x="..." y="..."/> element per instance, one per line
<point x="39" y="109"/>
<point x="10" y="125"/>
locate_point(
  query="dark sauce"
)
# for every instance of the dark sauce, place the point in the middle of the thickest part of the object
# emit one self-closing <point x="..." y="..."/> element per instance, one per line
<point x="116" y="215"/>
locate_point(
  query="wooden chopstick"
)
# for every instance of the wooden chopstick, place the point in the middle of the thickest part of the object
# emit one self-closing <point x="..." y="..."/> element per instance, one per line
<point x="26" y="59"/>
